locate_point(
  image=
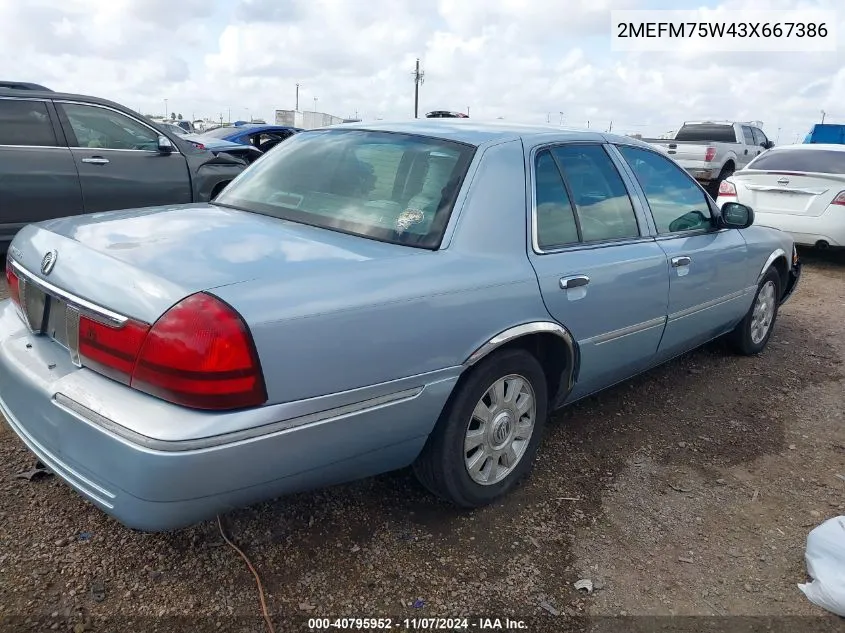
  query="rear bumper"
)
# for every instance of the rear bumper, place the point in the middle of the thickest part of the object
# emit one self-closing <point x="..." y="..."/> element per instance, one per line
<point x="154" y="485"/>
<point x="807" y="230"/>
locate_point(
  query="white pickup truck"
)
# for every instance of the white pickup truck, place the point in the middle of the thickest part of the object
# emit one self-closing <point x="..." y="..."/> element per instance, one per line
<point x="713" y="150"/>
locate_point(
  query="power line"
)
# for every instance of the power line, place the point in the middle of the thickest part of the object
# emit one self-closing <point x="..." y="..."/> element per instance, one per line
<point x="418" y="79"/>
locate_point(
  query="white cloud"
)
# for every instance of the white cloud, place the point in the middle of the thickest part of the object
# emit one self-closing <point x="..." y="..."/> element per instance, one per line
<point x="519" y="59"/>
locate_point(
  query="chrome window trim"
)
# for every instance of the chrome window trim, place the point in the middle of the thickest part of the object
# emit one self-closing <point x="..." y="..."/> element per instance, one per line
<point x="535" y="244"/>
<point x="2" y="145"/>
<point x="116" y="111"/>
<point x="84" y="306"/>
<point x="10" y="98"/>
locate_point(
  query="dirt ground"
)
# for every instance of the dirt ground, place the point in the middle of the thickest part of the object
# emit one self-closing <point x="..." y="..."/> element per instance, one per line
<point x="687" y="491"/>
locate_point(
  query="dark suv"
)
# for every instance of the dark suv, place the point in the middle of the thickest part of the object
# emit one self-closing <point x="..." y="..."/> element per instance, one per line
<point x="64" y="154"/>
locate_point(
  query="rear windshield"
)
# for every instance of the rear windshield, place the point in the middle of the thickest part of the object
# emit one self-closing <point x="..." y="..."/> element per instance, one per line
<point x="706" y="132"/>
<point x="390" y="187"/>
<point x="221" y="132"/>
<point x="820" y="161"/>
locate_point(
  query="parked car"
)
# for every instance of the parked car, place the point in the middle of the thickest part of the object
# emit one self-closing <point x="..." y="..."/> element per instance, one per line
<point x="362" y="299"/>
<point x="799" y="189"/>
<point x="826" y="133"/>
<point x="446" y="114"/>
<point x="64" y="154"/>
<point x="243" y="151"/>
<point x="712" y="150"/>
<point x="261" y="136"/>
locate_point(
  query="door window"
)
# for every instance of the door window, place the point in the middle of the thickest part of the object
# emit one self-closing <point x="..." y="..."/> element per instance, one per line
<point x="677" y="203"/>
<point x="601" y="201"/>
<point x="556" y="224"/>
<point x="759" y="137"/>
<point x="101" y="128"/>
<point x="25" y="123"/>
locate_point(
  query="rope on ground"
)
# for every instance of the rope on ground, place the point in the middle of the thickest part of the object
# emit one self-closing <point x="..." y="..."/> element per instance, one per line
<point x="264" y="612"/>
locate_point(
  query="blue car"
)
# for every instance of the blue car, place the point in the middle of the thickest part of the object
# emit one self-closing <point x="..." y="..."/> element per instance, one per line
<point x="259" y="135"/>
<point x="363" y="299"/>
<point x="246" y="152"/>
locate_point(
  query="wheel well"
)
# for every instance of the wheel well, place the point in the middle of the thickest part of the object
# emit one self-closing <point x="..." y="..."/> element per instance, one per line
<point x="730" y="165"/>
<point x="783" y="272"/>
<point x="551" y="351"/>
<point x="218" y="188"/>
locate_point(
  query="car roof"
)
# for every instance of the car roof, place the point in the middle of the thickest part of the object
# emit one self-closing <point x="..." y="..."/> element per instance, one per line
<point x="475" y="132"/>
<point x="252" y="127"/>
<point x="810" y="146"/>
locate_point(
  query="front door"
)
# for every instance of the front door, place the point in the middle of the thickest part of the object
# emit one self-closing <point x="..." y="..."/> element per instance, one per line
<point x="711" y="285"/>
<point x="118" y="160"/>
<point x="600" y="275"/>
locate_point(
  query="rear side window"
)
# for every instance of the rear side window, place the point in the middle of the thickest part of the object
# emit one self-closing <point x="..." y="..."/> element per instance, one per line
<point x="748" y="135"/>
<point x="25" y="123"/>
<point x="556" y="224"/>
<point x="707" y="132"/>
<point x="818" y="161"/>
<point x="601" y="199"/>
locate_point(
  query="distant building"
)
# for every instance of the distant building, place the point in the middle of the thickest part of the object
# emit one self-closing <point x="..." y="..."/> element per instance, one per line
<point x="307" y="120"/>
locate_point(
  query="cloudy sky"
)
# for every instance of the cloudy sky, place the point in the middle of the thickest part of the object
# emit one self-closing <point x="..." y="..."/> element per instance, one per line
<point x="524" y="60"/>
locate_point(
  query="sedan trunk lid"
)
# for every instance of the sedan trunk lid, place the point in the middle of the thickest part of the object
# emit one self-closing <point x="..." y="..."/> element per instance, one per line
<point x="140" y="262"/>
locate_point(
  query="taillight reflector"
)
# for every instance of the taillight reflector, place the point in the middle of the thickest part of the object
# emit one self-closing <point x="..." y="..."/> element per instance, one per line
<point x="709" y="154"/>
<point x="13" y="283"/>
<point x="839" y="199"/>
<point x="200" y="354"/>
<point x="727" y="188"/>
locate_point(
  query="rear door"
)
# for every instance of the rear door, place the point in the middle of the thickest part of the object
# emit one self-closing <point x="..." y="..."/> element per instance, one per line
<point x="792" y="182"/>
<point x="747" y="153"/>
<point x="118" y="160"/>
<point x="600" y="271"/>
<point x="38" y="178"/>
<point x="709" y="275"/>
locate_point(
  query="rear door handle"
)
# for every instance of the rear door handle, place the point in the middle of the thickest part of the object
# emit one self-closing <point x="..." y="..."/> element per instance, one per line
<point x="681" y="261"/>
<point x="96" y="160"/>
<point x="574" y="282"/>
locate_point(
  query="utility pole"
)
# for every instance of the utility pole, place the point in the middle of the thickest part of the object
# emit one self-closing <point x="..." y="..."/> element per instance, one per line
<point x="588" y="124"/>
<point x="467" y="110"/>
<point x="229" y="120"/>
<point x="822" y="116"/>
<point x="315" y="104"/>
<point x="418" y="79"/>
<point x="165" y="109"/>
<point x="297" y="98"/>
<point x="610" y="129"/>
<point x="561" y="119"/>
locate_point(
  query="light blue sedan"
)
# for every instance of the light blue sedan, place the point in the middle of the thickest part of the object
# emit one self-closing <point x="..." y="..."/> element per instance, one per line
<point x="366" y="298"/>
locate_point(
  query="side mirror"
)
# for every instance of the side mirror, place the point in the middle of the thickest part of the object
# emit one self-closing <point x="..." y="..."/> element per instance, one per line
<point x="767" y="144"/>
<point x="736" y="216"/>
<point x="165" y="145"/>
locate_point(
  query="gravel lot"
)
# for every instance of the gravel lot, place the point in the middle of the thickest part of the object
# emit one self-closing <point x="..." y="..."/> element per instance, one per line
<point x="687" y="491"/>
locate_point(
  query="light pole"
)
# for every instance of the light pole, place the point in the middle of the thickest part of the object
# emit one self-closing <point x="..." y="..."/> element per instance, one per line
<point x="297" y="98"/>
<point x="561" y="118"/>
<point x="822" y="116"/>
<point x="315" y="104"/>
<point x="165" y="108"/>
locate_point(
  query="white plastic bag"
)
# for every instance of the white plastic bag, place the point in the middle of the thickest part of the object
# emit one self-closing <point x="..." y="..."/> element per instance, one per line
<point x="825" y="558"/>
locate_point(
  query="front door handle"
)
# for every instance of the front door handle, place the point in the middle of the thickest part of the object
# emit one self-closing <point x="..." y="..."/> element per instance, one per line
<point x="574" y="282"/>
<point x="681" y="261"/>
<point x="96" y="160"/>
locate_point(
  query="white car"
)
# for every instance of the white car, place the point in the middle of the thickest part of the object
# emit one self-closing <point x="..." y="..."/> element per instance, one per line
<point x="799" y="189"/>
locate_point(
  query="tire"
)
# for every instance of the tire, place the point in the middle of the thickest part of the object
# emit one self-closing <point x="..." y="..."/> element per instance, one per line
<point x="442" y="467"/>
<point x="746" y="338"/>
<point x="726" y="172"/>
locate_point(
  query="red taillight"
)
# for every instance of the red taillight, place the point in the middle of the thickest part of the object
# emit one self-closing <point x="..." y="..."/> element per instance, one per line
<point x="13" y="283"/>
<point x="109" y="350"/>
<point x="709" y="154"/>
<point x="839" y="199"/>
<point x="200" y="354"/>
<point x="727" y="188"/>
<point x="199" y="145"/>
